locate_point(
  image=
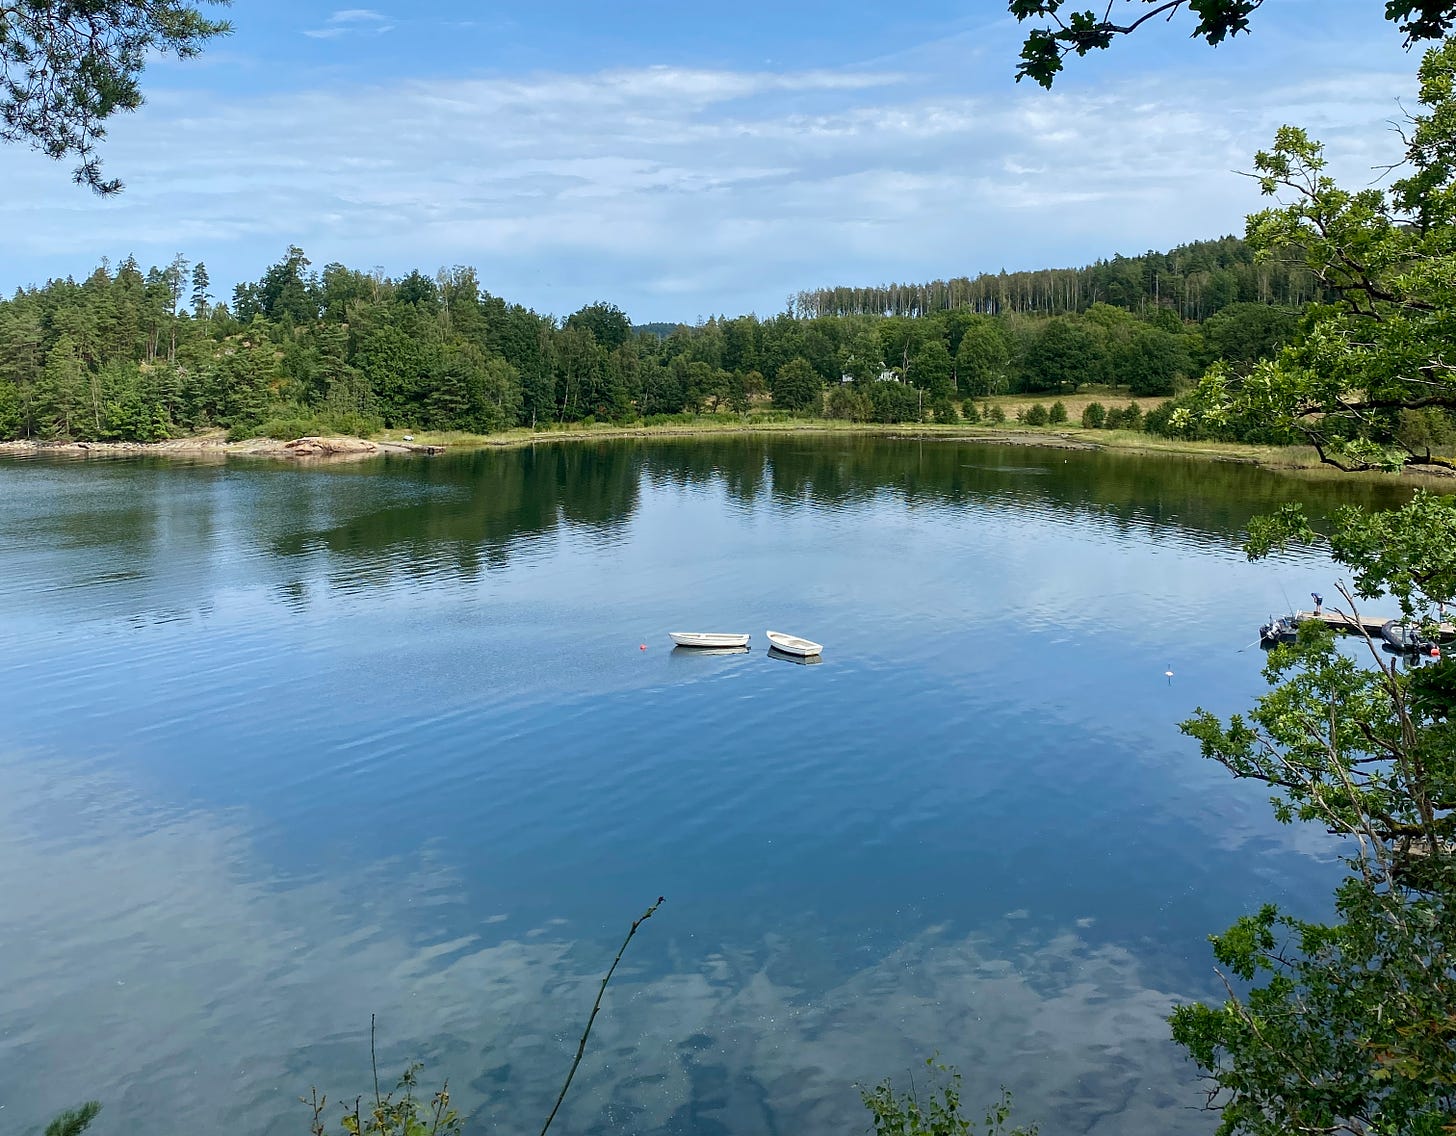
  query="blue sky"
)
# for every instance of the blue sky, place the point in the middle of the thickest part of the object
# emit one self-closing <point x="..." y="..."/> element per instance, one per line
<point x="687" y="160"/>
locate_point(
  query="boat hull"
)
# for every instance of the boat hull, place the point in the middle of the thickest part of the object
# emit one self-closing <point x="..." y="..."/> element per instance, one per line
<point x="797" y="660"/>
<point x="707" y="640"/>
<point x="1284" y="629"/>
<point x="1405" y="638"/>
<point x="793" y="645"/>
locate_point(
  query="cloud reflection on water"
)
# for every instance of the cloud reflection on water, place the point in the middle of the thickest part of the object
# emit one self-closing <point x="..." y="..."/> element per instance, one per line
<point x="154" y="962"/>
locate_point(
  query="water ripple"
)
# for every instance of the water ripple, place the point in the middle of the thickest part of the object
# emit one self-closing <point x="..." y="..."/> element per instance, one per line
<point x="284" y="748"/>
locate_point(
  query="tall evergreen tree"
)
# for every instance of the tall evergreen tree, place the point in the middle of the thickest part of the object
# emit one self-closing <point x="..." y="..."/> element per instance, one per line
<point x="201" y="297"/>
<point x="60" y="393"/>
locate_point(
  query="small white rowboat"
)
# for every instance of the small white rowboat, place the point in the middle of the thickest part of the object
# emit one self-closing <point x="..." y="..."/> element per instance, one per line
<point x="793" y="645"/>
<point x="707" y="639"/>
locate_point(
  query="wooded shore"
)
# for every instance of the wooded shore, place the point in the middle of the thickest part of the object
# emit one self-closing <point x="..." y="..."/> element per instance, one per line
<point x="215" y="445"/>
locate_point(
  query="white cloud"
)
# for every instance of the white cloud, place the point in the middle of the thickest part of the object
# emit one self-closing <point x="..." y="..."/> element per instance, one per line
<point x="679" y="191"/>
<point x="352" y="21"/>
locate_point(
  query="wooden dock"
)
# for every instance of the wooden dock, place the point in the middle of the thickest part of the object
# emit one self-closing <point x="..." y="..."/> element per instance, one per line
<point x="1368" y="624"/>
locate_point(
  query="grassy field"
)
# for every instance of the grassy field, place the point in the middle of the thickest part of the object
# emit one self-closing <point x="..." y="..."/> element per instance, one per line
<point x="1075" y="403"/>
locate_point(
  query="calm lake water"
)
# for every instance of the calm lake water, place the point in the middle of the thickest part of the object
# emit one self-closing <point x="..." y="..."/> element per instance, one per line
<point x="287" y="747"/>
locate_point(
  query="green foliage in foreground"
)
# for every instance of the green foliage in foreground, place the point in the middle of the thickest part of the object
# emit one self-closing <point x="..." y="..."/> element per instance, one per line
<point x="1078" y="32"/>
<point x="75" y="1121"/>
<point x="941" y="1114"/>
<point x="396" y="1113"/>
<point x="402" y="1113"/>
<point x="1362" y="365"/>
<point x="66" y="66"/>
<point x="1348" y="1026"/>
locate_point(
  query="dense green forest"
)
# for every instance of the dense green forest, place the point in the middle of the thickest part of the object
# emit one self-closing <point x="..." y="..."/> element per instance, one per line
<point x="133" y="355"/>
<point x="1193" y="281"/>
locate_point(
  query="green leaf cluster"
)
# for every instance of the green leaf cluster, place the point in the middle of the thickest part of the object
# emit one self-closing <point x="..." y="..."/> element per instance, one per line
<point x="1348" y="1026"/>
<point x="941" y="1114"/>
<point x="1366" y="379"/>
<point x="398" y="1112"/>
<point x="1079" y="31"/>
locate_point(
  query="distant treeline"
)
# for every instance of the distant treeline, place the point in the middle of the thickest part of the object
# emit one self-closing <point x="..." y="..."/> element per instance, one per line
<point x="129" y="354"/>
<point x="1194" y="281"/>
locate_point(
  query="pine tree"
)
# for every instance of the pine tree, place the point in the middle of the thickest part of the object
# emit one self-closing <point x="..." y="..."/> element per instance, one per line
<point x="200" y="293"/>
<point x="60" y="393"/>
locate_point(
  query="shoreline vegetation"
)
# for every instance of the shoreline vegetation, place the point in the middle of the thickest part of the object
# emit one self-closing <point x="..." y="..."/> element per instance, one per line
<point x="331" y="448"/>
<point x="134" y="356"/>
<point x="342" y="364"/>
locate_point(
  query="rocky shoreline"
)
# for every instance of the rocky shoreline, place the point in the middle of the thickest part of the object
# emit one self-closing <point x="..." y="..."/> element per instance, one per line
<point x="217" y="446"/>
<point x="338" y="447"/>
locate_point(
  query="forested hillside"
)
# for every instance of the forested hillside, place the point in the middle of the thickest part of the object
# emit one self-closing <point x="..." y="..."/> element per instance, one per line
<point x="1194" y="281"/>
<point x="129" y="354"/>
